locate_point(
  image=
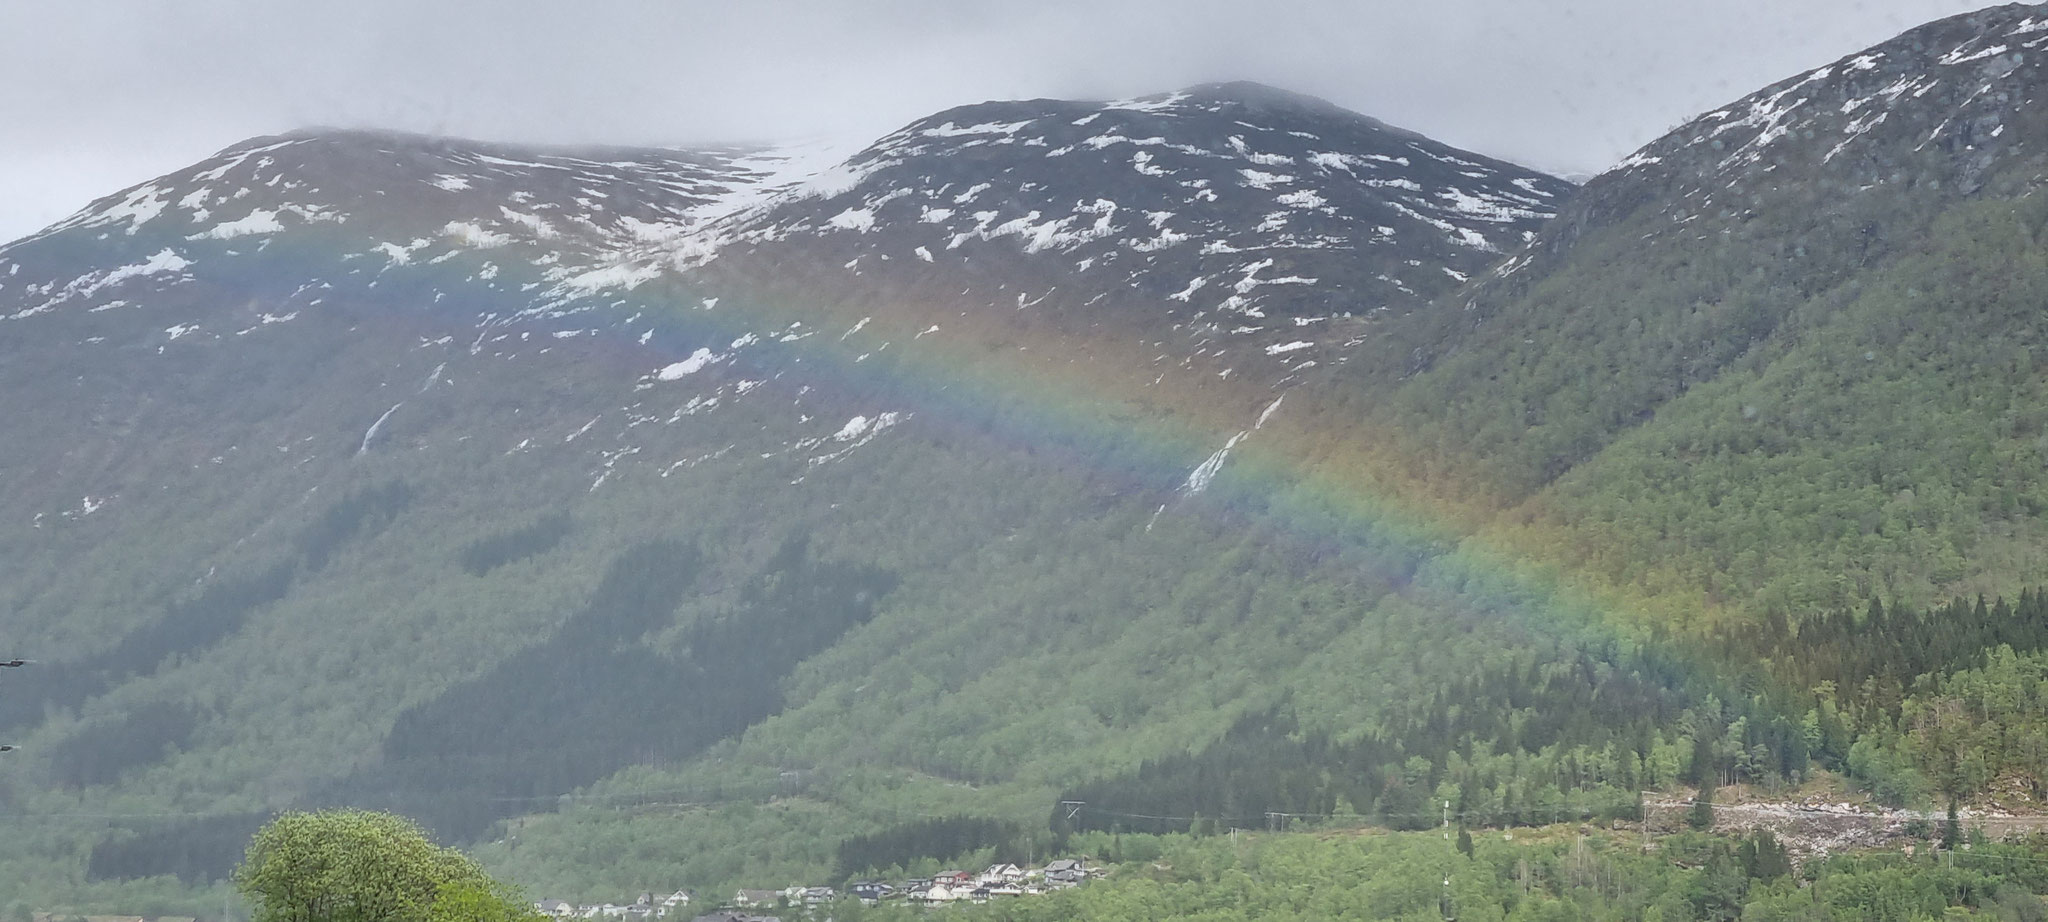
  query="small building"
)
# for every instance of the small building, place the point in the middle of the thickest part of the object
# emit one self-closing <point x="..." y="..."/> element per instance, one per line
<point x="1066" y="871"/>
<point x="870" y="891"/>
<point x="754" y="899"/>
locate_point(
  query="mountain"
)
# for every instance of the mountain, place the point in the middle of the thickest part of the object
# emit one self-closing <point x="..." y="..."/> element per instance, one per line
<point x="743" y="516"/>
<point x="1240" y="218"/>
<point x="481" y="481"/>
<point x="1781" y="351"/>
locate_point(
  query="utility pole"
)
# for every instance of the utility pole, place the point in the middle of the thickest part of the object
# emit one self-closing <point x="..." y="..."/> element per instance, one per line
<point x="13" y="664"/>
<point x="1645" y="796"/>
<point x="1449" y="916"/>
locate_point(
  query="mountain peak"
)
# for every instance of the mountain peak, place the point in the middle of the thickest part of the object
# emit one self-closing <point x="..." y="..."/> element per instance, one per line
<point x="1259" y="98"/>
<point x="1938" y="109"/>
<point x="1949" y="85"/>
<point x="1255" y="221"/>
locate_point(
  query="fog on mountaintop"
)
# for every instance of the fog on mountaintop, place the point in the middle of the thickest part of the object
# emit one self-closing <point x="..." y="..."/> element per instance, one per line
<point x="130" y="90"/>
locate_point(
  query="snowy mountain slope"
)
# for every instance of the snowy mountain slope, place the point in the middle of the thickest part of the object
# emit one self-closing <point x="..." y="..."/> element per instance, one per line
<point x="405" y="273"/>
<point x="1240" y="217"/>
<point x="403" y="199"/>
<point x="1930" y="111"/>
<point x="1227" y="229"/>
<point x="1012" y="316"/>
<point x="598" y="195"/>
<point x="1749" y="208"/>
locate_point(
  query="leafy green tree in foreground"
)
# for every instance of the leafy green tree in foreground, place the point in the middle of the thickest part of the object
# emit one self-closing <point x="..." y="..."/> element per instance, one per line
<point x="363" y="866"/>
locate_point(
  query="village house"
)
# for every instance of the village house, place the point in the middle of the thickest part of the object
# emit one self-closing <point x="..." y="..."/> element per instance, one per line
<point x="673" y="904"/>
<point x="997" y="880"/>
<point x="646" y="906"/>
<point x="939" y="893"/>
<point x="871" y="892"/>
<point x="1066" y="871"/>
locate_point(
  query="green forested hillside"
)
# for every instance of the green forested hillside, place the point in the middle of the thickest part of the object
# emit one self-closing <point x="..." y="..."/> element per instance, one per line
<point x="1879" y="439"/>
<point x="1780" y="359"/>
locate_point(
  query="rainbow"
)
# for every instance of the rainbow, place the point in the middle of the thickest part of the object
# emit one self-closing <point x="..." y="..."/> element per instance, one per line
<point x="1447" y="540"/>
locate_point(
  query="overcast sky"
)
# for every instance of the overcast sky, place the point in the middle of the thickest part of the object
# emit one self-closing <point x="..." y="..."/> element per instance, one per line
<point x="102" y="94"/>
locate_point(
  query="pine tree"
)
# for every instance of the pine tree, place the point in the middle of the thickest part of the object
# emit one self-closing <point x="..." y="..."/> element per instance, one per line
<point x="1705" y="769"/>
<point x="1763" y="857"/>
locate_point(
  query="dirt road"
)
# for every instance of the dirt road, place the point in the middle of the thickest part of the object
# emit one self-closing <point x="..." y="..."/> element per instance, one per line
<point x="1816" y="828"/>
